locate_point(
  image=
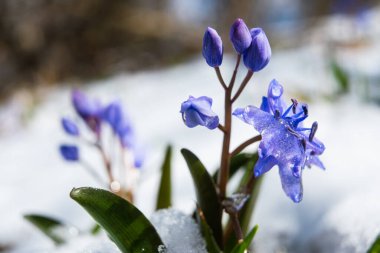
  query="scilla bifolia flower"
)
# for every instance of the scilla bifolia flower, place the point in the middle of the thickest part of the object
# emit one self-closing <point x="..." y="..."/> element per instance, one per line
<point x="240" y="36"/>
<point x="121" y="125"/>
<point x="284" y="141"/>
<point x="88" y="109"/>
<point x="69" y="152"/>
<point x="197" y="111"/>
<point x="212" y="49"/>
<point x="257" y="56"/>
<point x="69" y="126"/>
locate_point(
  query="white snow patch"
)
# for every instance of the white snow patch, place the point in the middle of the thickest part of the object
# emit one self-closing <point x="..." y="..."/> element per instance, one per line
<point x="178" y="231"/>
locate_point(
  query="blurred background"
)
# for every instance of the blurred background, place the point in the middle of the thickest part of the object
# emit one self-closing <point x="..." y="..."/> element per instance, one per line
<point x="326" y="53"/>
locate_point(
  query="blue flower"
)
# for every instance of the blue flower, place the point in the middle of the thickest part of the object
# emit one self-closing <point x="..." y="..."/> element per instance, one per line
<point x="69" y="126"/>
<point x="69" y="152"/>
<point x="212" y="49"/>
<point x="285" y="142"/>
<point x="121" y="125"/>
<point x="240" y="36"/>
<point x="257" y="56"/>
<point x="88" y="109"/>
<point x="197" y="111"/>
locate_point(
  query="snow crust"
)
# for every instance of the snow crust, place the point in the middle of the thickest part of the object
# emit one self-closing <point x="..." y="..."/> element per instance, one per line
<point x="178" y="231"/>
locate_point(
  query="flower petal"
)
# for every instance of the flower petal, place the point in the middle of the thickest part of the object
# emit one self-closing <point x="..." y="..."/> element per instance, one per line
<point x="291" y="185"/>
<point x="275" y="101"/>
<point x="263" y="165"/>
<point x="255" y="117"/>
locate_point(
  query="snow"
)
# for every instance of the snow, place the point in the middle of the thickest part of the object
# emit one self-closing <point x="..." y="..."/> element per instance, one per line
<point x="178" y="231"/>
<point x="340" y="204"/>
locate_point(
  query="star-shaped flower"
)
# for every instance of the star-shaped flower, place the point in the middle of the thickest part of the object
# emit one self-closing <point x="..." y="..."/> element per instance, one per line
<point x="285" y="142"/>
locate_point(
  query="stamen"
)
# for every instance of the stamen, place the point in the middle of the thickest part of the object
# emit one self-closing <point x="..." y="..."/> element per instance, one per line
<point x="299" y="120"/>
<point x="287" y="111"/>
<point x="295" y="103"/>
<point x="303" y="129"/>
<point x="303" y="142"/>
<point x="293" y="107"/>
<point x="305" y="110"/>
<point x="314" y="128"/>
<point x="277" y="114"/>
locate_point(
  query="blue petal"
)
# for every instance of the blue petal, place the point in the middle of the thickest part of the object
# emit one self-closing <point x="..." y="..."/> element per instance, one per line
<point x="192" y="118"/>
<point x="314" y="160"/>
<point x="316" y="146"/>
<point x="255" y="117"/>
<point x="291" y="185"/>
<point x="265" y="105"/>
<point x="212" y="49"/>
<point x="197" y="111"/>
<point x="69" y="152"/>
<point x="275" y="101"/>
<point x="69" y="126"/>
<point x="263" y="165"/>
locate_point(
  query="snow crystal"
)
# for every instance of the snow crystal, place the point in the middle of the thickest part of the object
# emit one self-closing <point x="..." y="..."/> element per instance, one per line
<point x="178" y="231"/>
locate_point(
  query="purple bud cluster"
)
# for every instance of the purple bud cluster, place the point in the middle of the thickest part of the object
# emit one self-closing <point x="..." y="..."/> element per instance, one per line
<point x="94" y="115"/>
<point x="252" y="44"/>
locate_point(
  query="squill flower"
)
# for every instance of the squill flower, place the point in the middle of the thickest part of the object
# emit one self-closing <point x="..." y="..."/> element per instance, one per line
<point x="212" y="48"/>
<point x="240" y="36"/>
<point x="121" y="125"/>
<point x="197" y="111"/>
<point x="285" y="142"/>
<point x="257" y="56"/>
<point x="69" y="152"/>
<point x="88" y="109"/>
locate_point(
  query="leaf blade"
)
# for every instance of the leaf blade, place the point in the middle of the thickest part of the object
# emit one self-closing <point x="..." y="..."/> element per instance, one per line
<point x="207" y="196"/>
<point x="165" y="189"/>
<point x="48" y="226"/>
<point x="375" y="247"/>
<point x="126" y="225"/>
<point x="211" y="244"/>
<point x="242" y="247"/>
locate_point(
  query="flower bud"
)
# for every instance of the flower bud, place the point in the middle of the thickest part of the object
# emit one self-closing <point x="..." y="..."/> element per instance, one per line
<point x="70" y="127"/>
<point x="88" y="109"/>
<point x="69" y="152"/>
<point x="240" y="36"/>
<point x="212" y="48"/>
<point x="197" y="111"/>
<point x="257" y="56"/>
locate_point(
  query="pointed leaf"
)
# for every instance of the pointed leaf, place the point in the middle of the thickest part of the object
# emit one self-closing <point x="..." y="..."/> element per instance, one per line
<point x="52" y="228"/>
<point x="375" y="248"/>
<point x="165" y="190"/>
<point x="211" y="244"/>
<point x="207" y="197"/>
<point x="125" y="224"/>
<point x="243" y="247"/>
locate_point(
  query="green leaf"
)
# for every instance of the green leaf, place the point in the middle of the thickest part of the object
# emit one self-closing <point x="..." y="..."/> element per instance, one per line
<point x="211" y="244"/>
<point x="165" y="190"/>
<point x="95" y="229"/>
<point x="125" y="224"/>
<point x="375" y="248"/>
<point x="341" y="77"/>
<point x="207" y="197"/>
<point x="51" y="227"/>
<point x="243" y="247"/>
<point x="236" y="163"/>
